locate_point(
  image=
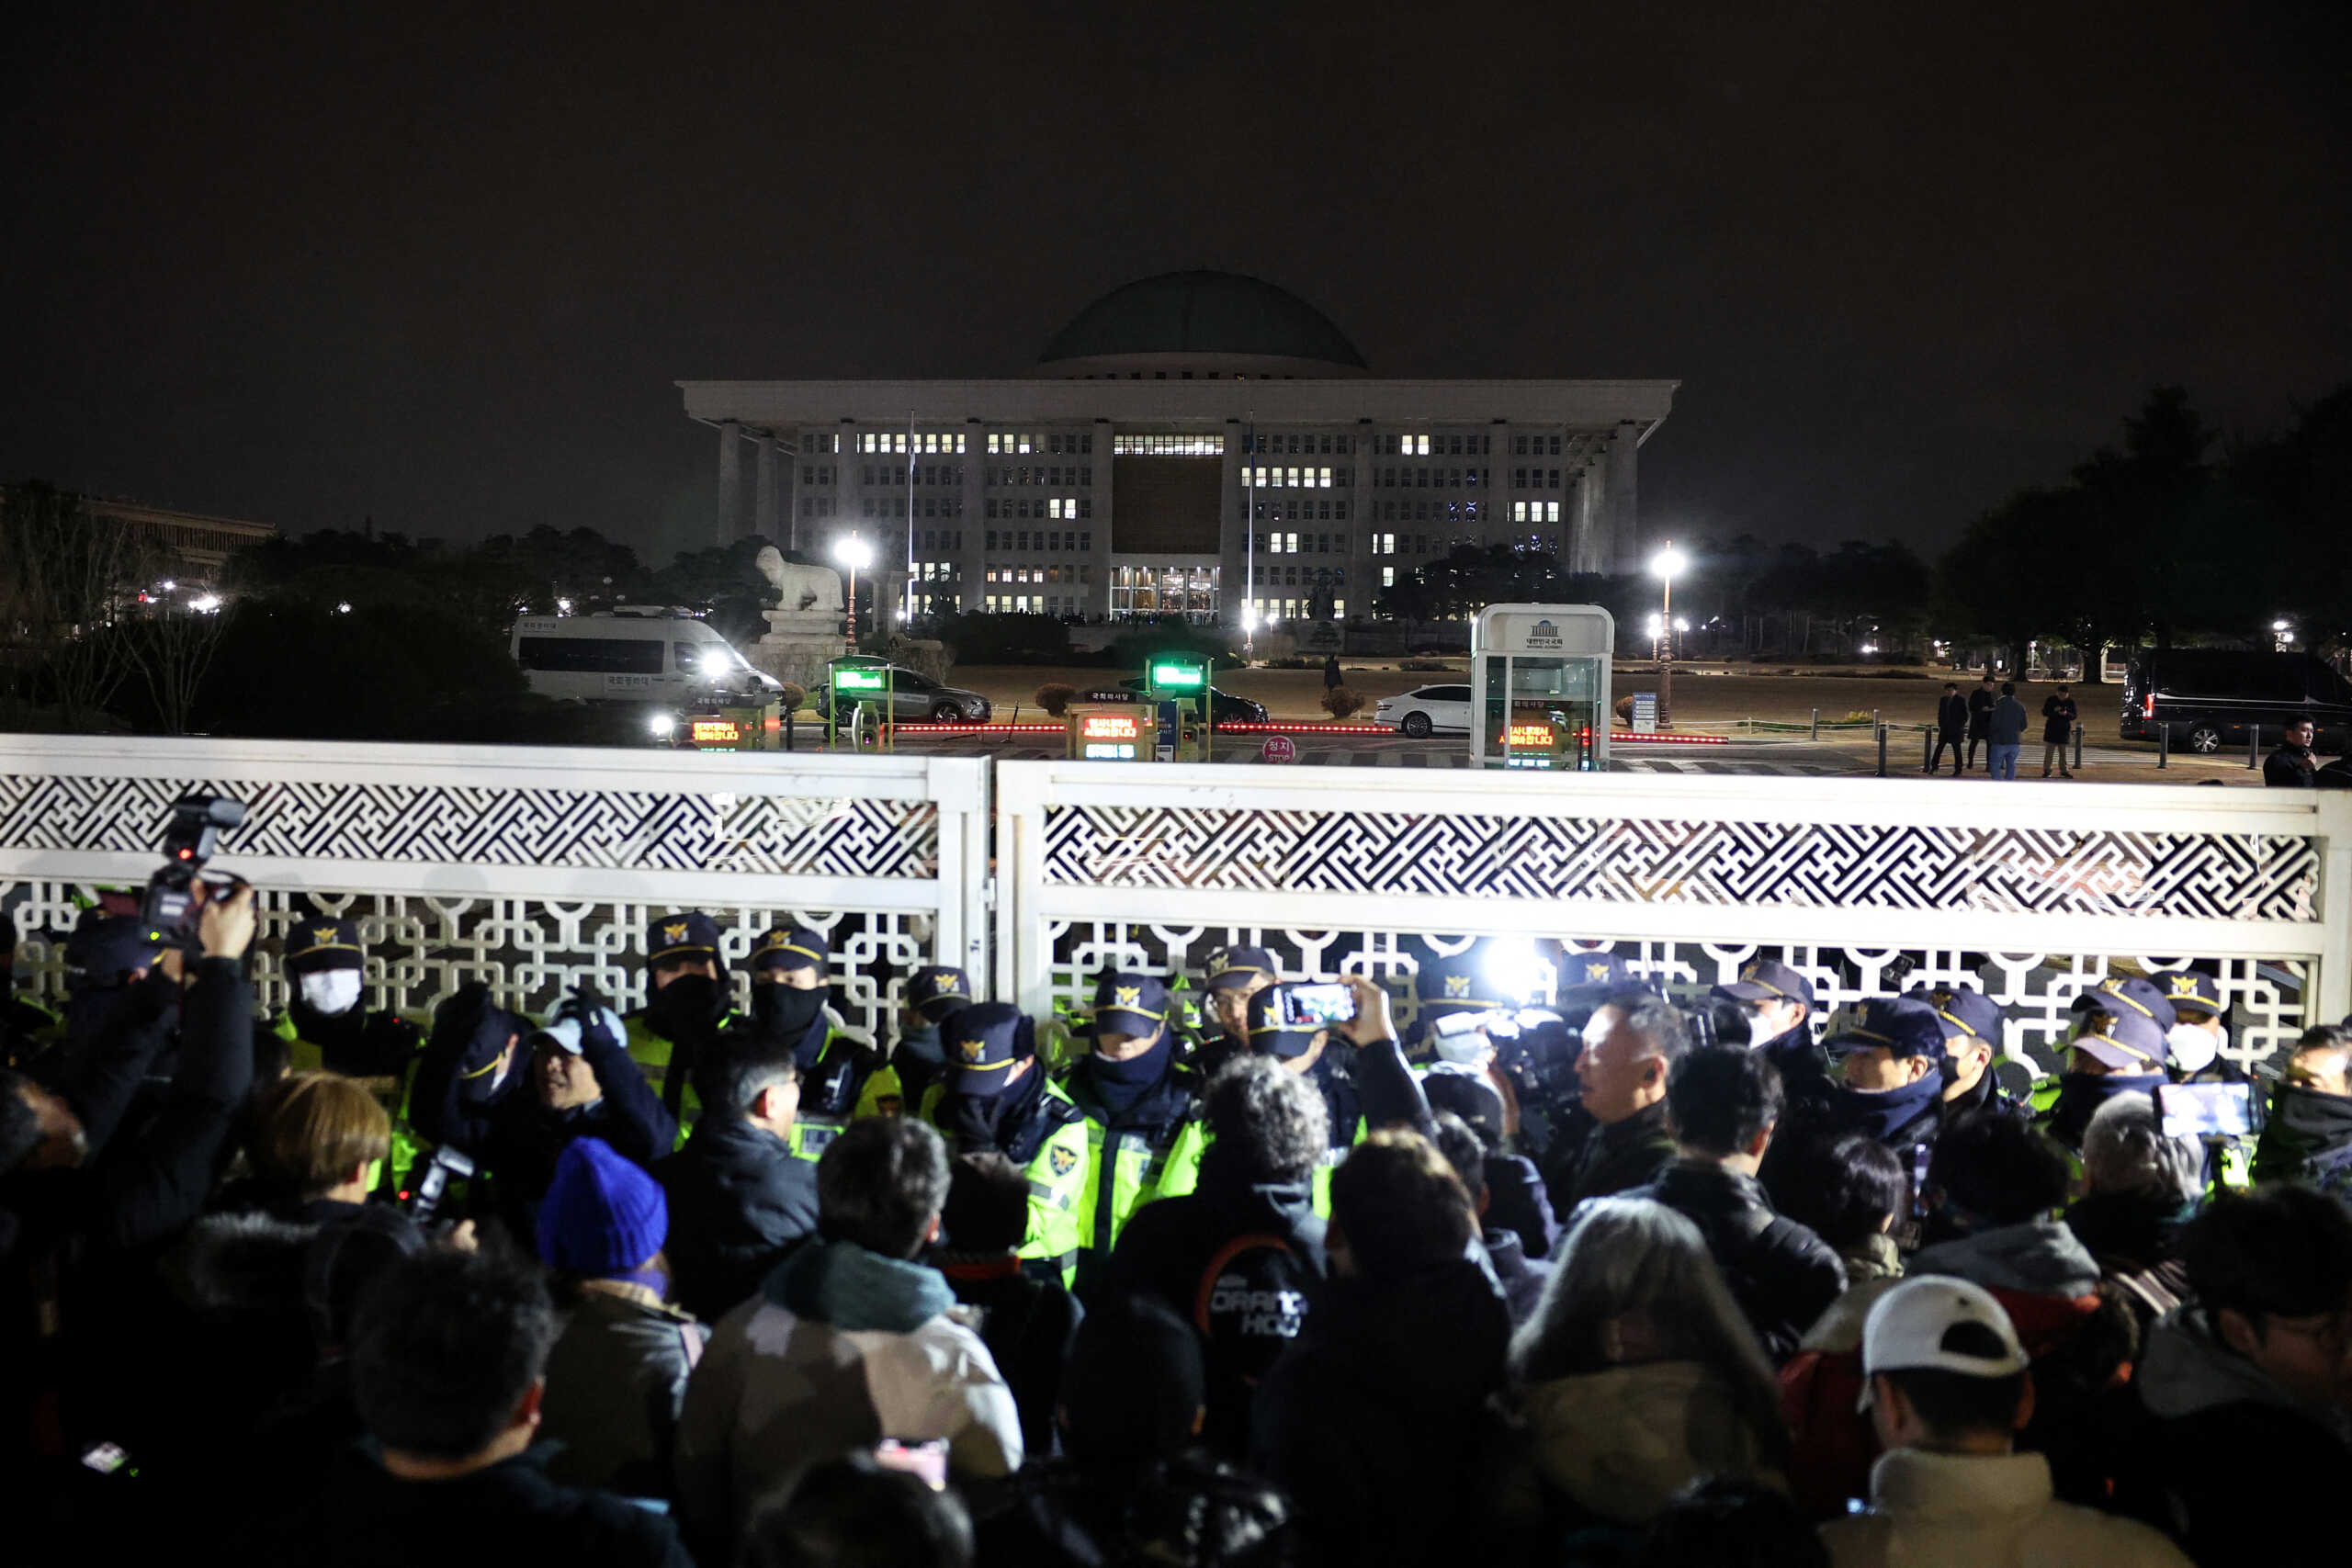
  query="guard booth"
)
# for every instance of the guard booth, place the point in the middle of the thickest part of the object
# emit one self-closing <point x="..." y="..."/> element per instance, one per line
<point x="1539" y="687"/>
<point x="860" y="703"/>
<point x="1177" y="686"/>
<point x="731" y="721"/>
<point x="1105" y="732"/>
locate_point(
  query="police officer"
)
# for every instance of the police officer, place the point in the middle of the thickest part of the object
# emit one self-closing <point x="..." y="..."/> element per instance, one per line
<point x="842" y="1076"/>
<point x="1444" y="986"/>
<point x="995" y="1094"/>
<point x="684" y="1005"/>
<point x="2115" y="1046"/>
<point x="2195" y="1040"/>
<point x="934" y="993"/>
<point x="1310" y="1054"/>
<point x="1780" y="1004"/>
<point x="1971" y="1022"/>
<point x="1889" y="1061"/>
<point x="1233" y="976"/>
<point x="104" y="958"/>
<point x="1142" y="1107"/>
<point x="324" y="1026"/>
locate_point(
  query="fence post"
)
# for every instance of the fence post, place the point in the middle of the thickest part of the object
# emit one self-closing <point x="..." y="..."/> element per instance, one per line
<point x="2078" y="745"/>
<point x="1813" y="731"/>
<point x="1882" y="745"/>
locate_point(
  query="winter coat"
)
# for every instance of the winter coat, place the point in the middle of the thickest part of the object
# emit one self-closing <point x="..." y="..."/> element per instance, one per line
<point x="1197" y="1254"/>
<point x="738" y="1202"/>
<point x="1613" y="1159"/>
<point x="2135" y="1237"/>
<point x="1517" y="1201"/>
<point x="1984" y="1511"/>
<point x="2057" y="720"/>
<point x="1523" y="1278"/>
<point x="1375" y="1422"/>
<point x="2228" y="1460"/>
<point x="1980" y="711"/>
<point x="1821" y="1387"/>
<point x="1192" y="1511"/>
<point x="1951" y="716"/>
<point x="1030" y="1327"/>
<point x="495" y="1518"/>
<point x="1780" y="1273"/>
<point x="839" y="1349"/>
<point x="2291" y="767"/>
<point x="2006" y="726"/>
<point x="615" y="1379"/>
<point x="1617" y="1445"/>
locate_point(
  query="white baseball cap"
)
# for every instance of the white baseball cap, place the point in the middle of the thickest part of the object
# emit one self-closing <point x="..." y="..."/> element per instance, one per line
<point x="1908" y="1327"/>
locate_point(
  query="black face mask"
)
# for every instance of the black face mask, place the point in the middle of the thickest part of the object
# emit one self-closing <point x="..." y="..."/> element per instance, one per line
<point x="686" y="1008"/>
<point x="797" y="1017"/>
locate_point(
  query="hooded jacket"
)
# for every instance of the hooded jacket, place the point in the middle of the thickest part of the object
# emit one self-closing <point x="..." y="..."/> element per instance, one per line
<point x="1780" y="1273"/>
<point x="614" y="1381"/>
<point x="738" y="1202"/>
<point x="2228" y="1457"/>
<point x="839" y="1349"/>
<point x="1374" y="1419"/>
<point x="1618" y="1444"/>
<point x="1984" y="1511"/>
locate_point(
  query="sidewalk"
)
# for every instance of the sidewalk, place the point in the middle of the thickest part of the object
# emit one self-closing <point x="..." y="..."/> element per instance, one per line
<point x="2101" y="764"/>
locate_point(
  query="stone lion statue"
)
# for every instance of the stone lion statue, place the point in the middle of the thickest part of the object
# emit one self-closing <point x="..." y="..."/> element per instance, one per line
<point x="799" y="587"/>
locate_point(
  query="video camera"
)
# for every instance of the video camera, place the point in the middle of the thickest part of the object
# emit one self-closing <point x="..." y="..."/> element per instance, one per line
<point x="189" y="840"/>
<point x="1719" y="1021"/>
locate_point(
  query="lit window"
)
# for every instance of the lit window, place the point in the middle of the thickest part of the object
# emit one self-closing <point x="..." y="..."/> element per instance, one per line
<point x="1294" y="542"/>
<point x="1324" y="479"/>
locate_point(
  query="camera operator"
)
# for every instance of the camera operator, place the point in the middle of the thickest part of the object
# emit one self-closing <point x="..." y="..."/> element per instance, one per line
<point x="512" y="1095"/>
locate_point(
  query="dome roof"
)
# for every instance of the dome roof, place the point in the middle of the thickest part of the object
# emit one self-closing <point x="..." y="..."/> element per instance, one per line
<point x="1203" y="312"/>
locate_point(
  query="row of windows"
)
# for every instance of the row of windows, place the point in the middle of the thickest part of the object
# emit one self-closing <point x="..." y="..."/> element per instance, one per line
<point x="1082" y="541"/>
<point x="929" y="441"/>
<point x="1428" y="512"/>
<point x="923" y="474"/>
<point x="818" y="474"/>
<point x="1082" y="571"/>
<point x="1532" y="446"/>
<point x="813" y="441"/>
<point x="1337" y="445"/>
<point x="1071" y="442"/>
<point x="1292" y="479"/>
<point x="1047" y="476"/>
<point x="1536" y="512"/>
<point x="816" y="506"/>
<point x="1431" y="478"/>
<point x="927" y="506"/>
<point x="1337" y="576"/>
<point x="937" y="571"/>
<point x="1272" y="612"/>
<point x="1314" y="544"/>
<point x="1326" y="510"/>
<point x="1168" y="446"/>
<point x="1533" y="479"/>
<point x="1057" y="507"/>
<point x="1455" y="446"/>
<point x="1034" y="604"/>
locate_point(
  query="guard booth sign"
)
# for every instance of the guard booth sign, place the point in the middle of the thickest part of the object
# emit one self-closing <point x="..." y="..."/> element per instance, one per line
<point x="1177" y="686"/>
<point x="861" y="702"/>
<point x="1098" y="737"/>
<point x="1529" y="742"/>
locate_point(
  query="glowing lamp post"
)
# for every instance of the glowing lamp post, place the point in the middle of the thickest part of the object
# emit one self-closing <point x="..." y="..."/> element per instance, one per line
<point x="854" y="553"/>
<point x="1668" y="564"/>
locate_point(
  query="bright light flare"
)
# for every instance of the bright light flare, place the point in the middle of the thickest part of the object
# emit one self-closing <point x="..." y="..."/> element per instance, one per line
<point x="1668" y="563"/>
<point x="854" y="552"/>
<point x="1515" y="969"/>
<point x="204" y="603"/>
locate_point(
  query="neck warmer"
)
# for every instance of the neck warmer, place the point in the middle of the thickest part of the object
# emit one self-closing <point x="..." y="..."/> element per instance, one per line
<point x="2305" y="1125"/>
<point x="980" y="1121"/>
<point x="1879" y="1114"/>
<point x="336" y="1035"/>
<point x="784" y="1013"/>
<point x="842" y="1283"/>
<point x="1120" y="1084"/>
<point x="2081" y="1094"/>
<point x="687" y="1008"/>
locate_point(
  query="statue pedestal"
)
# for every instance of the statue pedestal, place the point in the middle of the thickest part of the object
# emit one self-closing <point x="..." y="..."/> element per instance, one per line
<point x="798" y="645"/>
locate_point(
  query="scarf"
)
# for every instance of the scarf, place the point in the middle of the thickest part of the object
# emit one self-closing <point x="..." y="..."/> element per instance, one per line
<point x="688" y="1008"/>
<point x="1882" y="1114"/>
<point x="981" y="1122"/>
<point x="797" y="1017"/>
<point x="1120" y="1084"/>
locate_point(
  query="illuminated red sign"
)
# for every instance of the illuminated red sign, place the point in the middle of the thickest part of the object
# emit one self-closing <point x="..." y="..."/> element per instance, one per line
<point x="1108" y="726"/>
<point x="1535" y="737"/>
<point x="715" y="732"/>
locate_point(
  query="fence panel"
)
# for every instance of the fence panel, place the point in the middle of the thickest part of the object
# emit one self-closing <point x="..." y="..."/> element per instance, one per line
<point x="530" y="869"/>
<point x="2029" y="891"/>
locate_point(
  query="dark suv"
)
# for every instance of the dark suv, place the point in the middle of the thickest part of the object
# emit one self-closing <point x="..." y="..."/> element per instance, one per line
<point x="2210" y="698"/>
<point x="916" y="698"/>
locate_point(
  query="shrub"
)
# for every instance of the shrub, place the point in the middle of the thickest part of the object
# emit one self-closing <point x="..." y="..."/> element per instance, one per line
<point x="1340" y="702"/>
<point x="792" y="699"/>
<point x="1056" y="698"/>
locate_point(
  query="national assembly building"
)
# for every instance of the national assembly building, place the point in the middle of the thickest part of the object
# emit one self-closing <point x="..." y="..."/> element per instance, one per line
<point x="1198" y="444"/>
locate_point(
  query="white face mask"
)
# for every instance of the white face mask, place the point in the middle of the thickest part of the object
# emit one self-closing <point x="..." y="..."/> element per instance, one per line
<point x="331" y="991"/>
<point x="2193" y="1046"/>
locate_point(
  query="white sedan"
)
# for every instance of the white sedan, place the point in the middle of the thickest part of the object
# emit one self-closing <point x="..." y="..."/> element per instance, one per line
<point x="1427" y="710"/>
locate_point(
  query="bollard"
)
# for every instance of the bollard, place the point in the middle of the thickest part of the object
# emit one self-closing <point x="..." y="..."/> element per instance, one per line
<point x="788" y="732"/>
<point x="1928" y="751"/>
<point x="1814" y="733"/>
<point x="2163" y="743"/>
<point x="1881" y="747"/>
<point x="2078" y="748"/>
<point x="2254" y="744"/>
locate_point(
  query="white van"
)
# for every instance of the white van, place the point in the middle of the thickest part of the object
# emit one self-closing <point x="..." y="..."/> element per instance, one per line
<point x="635" y="653"/>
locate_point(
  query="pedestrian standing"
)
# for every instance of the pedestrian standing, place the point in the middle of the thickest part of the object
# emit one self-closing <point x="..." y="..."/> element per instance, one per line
<point x="1952" y="727"/>
<point x="1980" y="719"/>
<point x="2058" y="716"/>
<point x="2293" y="765"/>
<point x="1331" y="676"/>
<point x="2005" y="734"/>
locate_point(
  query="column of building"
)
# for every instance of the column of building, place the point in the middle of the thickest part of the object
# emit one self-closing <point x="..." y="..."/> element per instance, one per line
<point x="1234" y="523"/>
<point x="730" y="480"/>
<point x="1625" y="539"/>
<point x="1364" y="567"/>
<point x="764" y="487"/>
<point x="787" y="501"/>
<point x="972" y="561"/>
<point x="1098" y="495"/>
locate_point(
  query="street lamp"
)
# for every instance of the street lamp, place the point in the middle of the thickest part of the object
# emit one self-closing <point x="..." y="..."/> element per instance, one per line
<point x="853" y="552"/>
<point x="1668" y="564"/>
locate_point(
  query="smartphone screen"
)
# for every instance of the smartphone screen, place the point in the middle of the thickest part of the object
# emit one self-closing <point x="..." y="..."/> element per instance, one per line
<point x="1315" y="1006"/>
<point x="2205" y="1110"/>
<point x="925" y="1461"/>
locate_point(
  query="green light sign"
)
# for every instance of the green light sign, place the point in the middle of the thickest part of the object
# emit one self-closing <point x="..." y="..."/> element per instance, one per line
<point x="1177" y="677"/>
<point x="859" y="680"/>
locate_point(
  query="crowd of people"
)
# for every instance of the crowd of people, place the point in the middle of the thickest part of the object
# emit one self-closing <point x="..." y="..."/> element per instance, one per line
<point x="1227" y="1268"/>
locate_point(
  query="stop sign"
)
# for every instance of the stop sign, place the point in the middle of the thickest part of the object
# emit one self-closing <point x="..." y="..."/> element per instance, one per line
<point x="1278" y="749"/>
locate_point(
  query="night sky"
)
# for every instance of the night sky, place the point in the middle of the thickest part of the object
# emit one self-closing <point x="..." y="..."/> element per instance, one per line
<point x="325" y="262"/>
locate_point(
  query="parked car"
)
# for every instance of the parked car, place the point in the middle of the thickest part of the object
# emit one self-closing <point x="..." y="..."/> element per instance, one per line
<point x="917" y="698"/>
<point x="1224" y="706"/>
<point x="1426" y="710"/>
<point x="2210" y="698"/>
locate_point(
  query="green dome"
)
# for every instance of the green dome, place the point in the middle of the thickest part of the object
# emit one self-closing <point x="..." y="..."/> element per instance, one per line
<point x="1203" y="312"/>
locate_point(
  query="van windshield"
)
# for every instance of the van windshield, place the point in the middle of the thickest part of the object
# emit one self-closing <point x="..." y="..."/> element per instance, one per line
<point x="590" y="655"/>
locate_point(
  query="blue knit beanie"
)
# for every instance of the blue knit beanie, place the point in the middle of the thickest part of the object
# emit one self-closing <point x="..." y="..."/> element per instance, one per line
<point x="602" y="1214"/>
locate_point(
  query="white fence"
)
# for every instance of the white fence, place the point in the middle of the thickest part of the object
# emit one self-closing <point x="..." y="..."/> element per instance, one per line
<point x="530" y="869"/>
<point x="2029" y="891"/>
